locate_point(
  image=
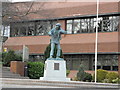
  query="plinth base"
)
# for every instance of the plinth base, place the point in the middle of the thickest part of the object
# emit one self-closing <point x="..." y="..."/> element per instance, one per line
<point x="55" y="70"/>
<point x="54" y="79"/>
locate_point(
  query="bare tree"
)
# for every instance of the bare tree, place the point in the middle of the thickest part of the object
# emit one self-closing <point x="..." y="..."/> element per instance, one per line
<point x="13" y="11"/>
<point x="20" y="11"/>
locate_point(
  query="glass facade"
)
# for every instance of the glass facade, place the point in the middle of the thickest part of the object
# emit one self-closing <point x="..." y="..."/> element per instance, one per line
<point x="31" y="28"/>
<point x="73" y="61"/>
<point x="106" y="62"/>
<point x="88" y="25"/>
<point x="73" y="26"/>
<point x="36" y="58"/>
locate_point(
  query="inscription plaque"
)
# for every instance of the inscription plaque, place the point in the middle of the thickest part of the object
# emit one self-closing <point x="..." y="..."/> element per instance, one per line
<point x="56" y="66"/>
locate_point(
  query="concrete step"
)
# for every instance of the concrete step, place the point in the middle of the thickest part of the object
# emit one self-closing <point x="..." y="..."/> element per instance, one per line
<point x="13" y="76"/>
<point x="5" y="68"/>
<point x="59" y="84"/>
<point x="16" y="77"/>
<point x="7" y="74"/>
<point x="10" y="74"/>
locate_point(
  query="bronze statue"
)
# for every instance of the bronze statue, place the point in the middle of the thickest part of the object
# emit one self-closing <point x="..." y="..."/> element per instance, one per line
<point x="55" y="34"/>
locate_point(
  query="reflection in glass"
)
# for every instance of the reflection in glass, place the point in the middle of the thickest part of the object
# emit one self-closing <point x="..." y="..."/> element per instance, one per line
<point x="88" y="25"/>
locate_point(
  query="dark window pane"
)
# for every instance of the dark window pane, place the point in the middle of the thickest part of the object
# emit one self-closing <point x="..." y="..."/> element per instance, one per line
<point x="106" y="68"/>
<point x="115" y="68"/>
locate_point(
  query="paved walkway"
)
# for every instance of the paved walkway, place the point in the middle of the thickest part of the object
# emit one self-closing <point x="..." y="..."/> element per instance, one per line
<point x="32" y="83"/>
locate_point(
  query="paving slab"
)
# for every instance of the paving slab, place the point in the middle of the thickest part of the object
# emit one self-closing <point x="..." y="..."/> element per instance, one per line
<point x="36" y="83"/>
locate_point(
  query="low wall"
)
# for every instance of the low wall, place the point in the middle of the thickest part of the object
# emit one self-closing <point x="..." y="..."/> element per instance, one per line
<point x="17" y="67"/>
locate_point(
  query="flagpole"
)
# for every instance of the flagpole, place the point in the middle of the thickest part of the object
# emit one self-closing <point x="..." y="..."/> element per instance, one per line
<point x="96" y="42"/>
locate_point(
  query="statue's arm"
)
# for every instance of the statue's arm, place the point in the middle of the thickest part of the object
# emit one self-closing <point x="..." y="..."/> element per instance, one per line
<point x="50" y="33"/>
<point x="63" y="32"/>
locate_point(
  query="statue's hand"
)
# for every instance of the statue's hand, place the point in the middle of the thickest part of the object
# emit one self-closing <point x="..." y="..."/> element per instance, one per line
<point x="50" y="33"/>
<point x="63" y="32"/>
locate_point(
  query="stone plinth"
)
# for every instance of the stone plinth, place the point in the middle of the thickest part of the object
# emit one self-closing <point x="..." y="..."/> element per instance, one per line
<point x="55" y="70"/>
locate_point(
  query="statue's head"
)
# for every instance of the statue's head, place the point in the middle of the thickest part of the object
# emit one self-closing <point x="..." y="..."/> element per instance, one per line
<point x="58" y="25"/>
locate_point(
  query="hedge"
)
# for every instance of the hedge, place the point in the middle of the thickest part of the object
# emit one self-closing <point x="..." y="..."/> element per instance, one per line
<point x="83" y="76"/>
<point x="35" y="70"/>
<point x="101" y="75"/>
<point x="111" y="76"/>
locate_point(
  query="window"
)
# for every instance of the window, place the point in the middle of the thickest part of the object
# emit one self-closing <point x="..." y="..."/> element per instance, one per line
<point x="81" y="25"/>
<point x="30" y="31"/>
<point x="115" y="68"/>
<point x="108" y="24"/>
<point x="5" y="31"/>
<point x="88" y="25"/>
<point x="42" y="27"/>
<point x="84" y="25"/>
<point x="115" y="23"/>
<point x="76" y="26"/>
<point x="69" y="26"/>
<point x="31" y="28"/>
<point x="106" y="68"/>
<point x="98" y="67"/>
<point x="107" y="62"/>
<point x="74" y="61"/>
<point x="16" y="32"/>
<point x="22" y="31"/>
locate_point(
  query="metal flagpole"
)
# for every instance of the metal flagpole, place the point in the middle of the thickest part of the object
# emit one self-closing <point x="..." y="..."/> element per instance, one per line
<point x="96" y="42"/>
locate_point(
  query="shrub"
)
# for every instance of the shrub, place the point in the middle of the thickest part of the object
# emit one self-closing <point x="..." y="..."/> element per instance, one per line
<point x="67" y="72"/>
<point x="101" y="75"/>
<point x="47" y="52"/>
<point x="87" y="77"/>
<point x="117" y="80"/>
<point x="83" y="76"/>
<point x="75" y="79"/>
<point x="105" y="81"/>
<point x="111" y="76"/>
<point x="35" y="70"/>
<point x="9" y="56"/>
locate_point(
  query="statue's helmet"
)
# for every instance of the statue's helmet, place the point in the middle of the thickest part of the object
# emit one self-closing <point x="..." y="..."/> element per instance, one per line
<point x="58" y="24"/>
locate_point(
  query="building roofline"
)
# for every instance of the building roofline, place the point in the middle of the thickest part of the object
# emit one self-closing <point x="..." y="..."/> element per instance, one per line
<point x="70" y="17"/>
<point x="88" y="16"/>
<point x="111" y="53"/>
<point x="100" y="53"/>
